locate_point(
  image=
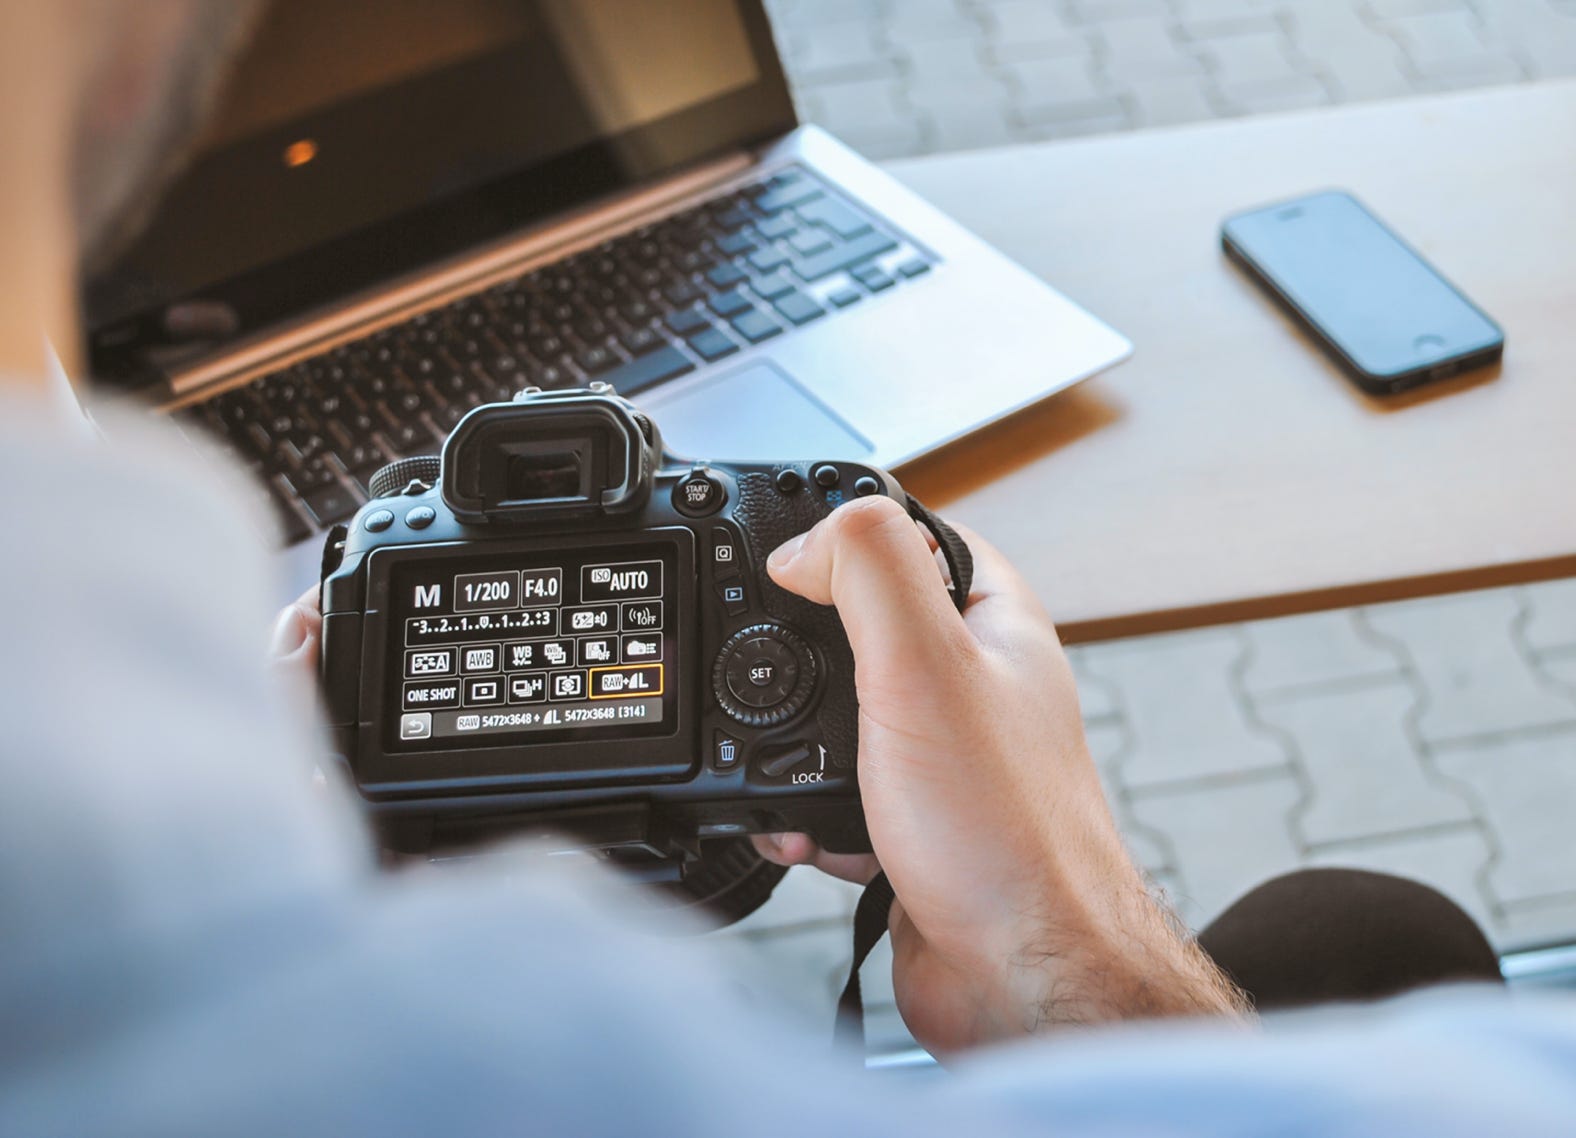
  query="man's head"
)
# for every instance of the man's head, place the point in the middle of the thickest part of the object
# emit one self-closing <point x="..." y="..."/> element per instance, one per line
<point x="150" y="70"/>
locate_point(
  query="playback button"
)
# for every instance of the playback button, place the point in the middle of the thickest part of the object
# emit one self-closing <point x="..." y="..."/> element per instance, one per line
<point x="731" y="592"/>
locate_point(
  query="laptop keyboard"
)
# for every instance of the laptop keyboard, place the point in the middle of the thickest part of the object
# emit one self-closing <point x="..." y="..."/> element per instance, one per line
<point x="639" y="310"/>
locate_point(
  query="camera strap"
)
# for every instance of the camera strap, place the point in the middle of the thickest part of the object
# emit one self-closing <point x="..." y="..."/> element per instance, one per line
<point x="954" y="550"/>
<point x="873" y="913"/>
<point x="870" y="925"/>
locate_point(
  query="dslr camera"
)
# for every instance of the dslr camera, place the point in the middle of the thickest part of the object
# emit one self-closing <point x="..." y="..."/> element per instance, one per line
<point x="558" y="626"/>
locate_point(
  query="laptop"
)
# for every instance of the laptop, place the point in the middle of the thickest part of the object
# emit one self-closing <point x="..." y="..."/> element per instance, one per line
<point x="405" y="208"/>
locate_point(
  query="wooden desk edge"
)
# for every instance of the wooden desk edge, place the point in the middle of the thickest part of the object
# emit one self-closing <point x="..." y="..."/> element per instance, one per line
<point x="1274" y="605"/>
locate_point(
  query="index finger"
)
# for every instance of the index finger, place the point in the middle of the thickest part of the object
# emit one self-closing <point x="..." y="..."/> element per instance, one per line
<point x="869" y="560"/>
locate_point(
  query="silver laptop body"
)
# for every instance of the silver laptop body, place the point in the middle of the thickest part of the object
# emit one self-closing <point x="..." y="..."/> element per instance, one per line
<point x="923" y="360"/>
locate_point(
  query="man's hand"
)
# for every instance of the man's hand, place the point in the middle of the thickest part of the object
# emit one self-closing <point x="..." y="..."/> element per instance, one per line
<point x="295" y="642"/>
<point x="1018" y="907"/>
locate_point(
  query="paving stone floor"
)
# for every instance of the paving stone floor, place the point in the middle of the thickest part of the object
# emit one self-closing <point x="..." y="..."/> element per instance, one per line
<point x="904" y="77"/>
<point x="1433" y="738"/>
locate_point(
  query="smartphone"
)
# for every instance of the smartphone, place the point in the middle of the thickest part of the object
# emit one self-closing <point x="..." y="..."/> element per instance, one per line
<point x="1381" y="311"/>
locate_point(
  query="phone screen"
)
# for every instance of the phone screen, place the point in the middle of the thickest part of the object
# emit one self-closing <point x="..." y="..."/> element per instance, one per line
<point x="1379" y="304"/>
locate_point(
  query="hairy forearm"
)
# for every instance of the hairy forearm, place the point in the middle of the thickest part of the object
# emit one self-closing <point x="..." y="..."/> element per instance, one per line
<point x="1133" y="960"/>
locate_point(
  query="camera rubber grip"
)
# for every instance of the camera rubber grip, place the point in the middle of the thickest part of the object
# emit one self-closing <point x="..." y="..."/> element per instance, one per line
<point x="768" y="517"/>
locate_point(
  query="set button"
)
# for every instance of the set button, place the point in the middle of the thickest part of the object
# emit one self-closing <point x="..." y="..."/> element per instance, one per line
<point x="764" y="675"/>
<point x="762" y="671"/>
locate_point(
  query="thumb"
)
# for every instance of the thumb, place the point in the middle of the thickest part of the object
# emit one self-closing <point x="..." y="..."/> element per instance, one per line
<point x="291" y="633"/>
<point x="296" y="633"/>
<point x="870" y="560"/>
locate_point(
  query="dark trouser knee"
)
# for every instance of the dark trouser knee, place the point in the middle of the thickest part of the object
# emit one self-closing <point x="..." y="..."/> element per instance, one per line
<point x="1321" y="935"/>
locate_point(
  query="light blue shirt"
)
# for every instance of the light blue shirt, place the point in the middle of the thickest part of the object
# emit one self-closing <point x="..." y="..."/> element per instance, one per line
<point x="195" y="942"/>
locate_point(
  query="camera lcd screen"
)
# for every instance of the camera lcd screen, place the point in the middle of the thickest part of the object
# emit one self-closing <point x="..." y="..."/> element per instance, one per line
<point x="498" y="649"/>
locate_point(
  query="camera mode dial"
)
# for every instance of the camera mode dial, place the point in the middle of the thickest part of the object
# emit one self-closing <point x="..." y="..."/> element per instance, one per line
<point x="397" y="476"/>
<point x="764" y="675"/>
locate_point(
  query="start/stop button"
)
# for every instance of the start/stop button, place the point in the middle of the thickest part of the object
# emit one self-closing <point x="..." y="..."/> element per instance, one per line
<point x="699" y="494"/>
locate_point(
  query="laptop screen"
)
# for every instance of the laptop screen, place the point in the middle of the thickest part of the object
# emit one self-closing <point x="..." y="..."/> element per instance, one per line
<point x="361" y="139"/>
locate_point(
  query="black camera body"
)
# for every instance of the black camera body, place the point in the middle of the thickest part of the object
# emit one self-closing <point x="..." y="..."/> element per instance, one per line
<point x="561" y="627"/>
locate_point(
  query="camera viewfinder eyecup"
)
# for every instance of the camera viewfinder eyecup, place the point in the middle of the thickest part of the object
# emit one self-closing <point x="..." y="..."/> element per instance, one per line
<point x="550" y="456"/>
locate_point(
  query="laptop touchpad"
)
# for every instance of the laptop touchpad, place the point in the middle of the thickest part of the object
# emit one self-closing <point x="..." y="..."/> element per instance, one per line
<point x="755" y="413"/>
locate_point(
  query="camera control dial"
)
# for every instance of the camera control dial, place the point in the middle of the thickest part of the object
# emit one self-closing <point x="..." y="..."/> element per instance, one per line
<point x="397" y="476"/>
<point x="764" y="675"/>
